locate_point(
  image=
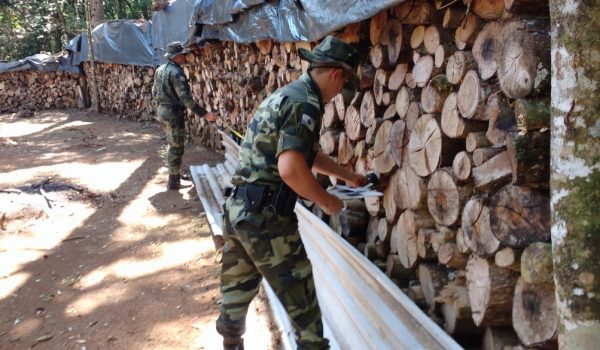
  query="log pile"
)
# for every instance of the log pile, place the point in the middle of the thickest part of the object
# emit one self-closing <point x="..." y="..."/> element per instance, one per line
<point x="453" y="114"/>
<point x="125" y="90"/>
<point x="38" y="90"/>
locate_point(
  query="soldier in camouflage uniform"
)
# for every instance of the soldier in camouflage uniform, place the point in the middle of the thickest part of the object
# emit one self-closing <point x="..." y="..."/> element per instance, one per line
<point x="261" y="233"/>
<point x="171" y="91"/>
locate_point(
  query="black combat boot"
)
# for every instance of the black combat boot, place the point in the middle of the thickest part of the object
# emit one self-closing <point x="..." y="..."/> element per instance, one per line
<point x="233" y="344"/>
<point x="175" y="183"/>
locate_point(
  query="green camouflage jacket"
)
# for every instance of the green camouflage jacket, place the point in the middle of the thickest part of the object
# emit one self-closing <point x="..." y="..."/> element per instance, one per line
<point x="171" y="88"/>
<point x="289" y="119"/>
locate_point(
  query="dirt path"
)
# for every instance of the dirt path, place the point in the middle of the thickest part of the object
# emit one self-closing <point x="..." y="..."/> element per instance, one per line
<point x="94" y="253"/>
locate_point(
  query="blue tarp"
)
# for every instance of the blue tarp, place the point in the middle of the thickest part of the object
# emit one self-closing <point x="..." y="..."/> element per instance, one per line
<point x="41" y="62"/>
<point x="142" y="43"/>
<point x="171" y="24"/>
<point x="246" y="21"/>
<point x="123" y="42"/>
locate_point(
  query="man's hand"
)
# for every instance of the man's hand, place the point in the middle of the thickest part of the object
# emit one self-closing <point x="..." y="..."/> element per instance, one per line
<point x="357" y="180"/>
<point x="332" y="205"/>
<point x="210" y="117"/>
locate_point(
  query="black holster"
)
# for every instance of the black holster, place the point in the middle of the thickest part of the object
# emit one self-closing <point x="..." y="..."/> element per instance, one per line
<point x="256" y="197"/>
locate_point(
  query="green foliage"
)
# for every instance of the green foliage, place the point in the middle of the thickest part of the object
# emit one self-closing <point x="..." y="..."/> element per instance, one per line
<point x="28" y="27"/>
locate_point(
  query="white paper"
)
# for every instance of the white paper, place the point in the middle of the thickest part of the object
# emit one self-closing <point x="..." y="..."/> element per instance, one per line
<point x="346" y="192"/>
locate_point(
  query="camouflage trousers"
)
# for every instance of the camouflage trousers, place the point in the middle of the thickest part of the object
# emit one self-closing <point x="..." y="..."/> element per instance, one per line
<point x="173" y="124"/>
<point x="258" y="246"/>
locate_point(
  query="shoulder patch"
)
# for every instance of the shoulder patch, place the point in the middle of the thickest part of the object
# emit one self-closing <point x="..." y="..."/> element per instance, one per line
<point x="308" y="122"/>
<point x="310" y="115"/>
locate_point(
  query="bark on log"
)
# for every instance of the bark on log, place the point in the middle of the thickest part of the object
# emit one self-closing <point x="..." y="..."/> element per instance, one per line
<point x="424" y="248"/>
<point x="396" y="271"/>
<point x="451" y="257"/>
<point x="476" y="228"/>
<point x="476" y="140"/>
<point x="435" y="93"/>
<point x="376" y="26"/>
<point x="366" y="75"/>
<point x="351" y="222"/>
<point x="453" y="17"/>
<point x="520" y="216"/>
<point x="488" y="9"/>
<point x="456" y="310"/>
<point x="482" y="155"/>
<point x="536" y="264"/>
<point x="532" y="114"/>
<point x="494" y="173"/>
<point x="534" y="315"/>
<point x="415" y="12"/>
<point x="527" y="7"/>
<point x="530" y="159"/>
<point x="501" y="119"/>
<point x="490" y="292"/>
<point x="432" y="278"/>
<point x="465" y="34"/>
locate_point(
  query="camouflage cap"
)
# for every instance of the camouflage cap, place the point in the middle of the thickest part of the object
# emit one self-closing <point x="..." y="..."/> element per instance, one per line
<point x="175" y="48"/>
<point x="332" y="52"/>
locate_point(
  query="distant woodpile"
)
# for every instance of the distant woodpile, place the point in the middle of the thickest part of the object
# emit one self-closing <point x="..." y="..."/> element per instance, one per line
<point x="124" y="89"/>
<point x="37" y="90"/>
<point x="453" y="113"/>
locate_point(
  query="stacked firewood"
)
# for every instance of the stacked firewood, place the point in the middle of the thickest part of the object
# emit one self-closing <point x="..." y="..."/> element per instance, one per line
<point x="125" y="90"/>
<point x="232" y="79"/>
<point x="453" y="114"/>
<point x="37" y="90"/>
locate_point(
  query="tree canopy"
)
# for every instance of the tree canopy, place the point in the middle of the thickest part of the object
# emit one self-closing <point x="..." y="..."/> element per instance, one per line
<point x="28" y="27"/>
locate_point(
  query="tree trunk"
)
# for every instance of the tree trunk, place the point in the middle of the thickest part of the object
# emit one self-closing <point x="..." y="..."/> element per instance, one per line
<point x="90" y="5"/>
<point x="97" y="12"/>
<point x="575" y="174"/>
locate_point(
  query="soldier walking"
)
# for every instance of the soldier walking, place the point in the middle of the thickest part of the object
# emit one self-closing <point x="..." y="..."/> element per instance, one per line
<point x="172" y="93"/>
<point x="261" y="234"/>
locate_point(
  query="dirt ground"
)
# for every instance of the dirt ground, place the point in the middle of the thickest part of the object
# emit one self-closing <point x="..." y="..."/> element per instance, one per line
<point x="94" y="252"/>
